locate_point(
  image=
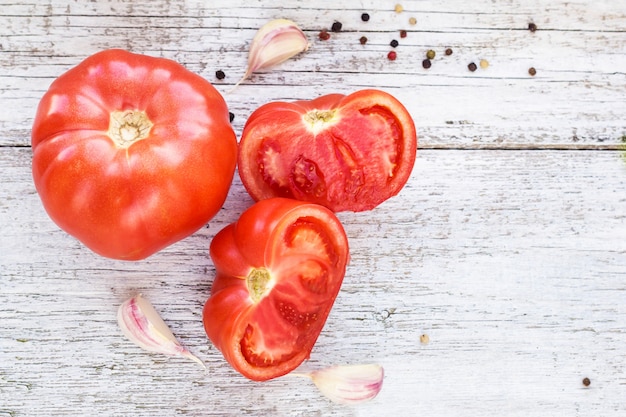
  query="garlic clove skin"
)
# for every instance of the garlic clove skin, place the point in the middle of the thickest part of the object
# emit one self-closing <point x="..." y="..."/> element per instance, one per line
<point x="143" y="325"/>
<point x="275" y="42"/>
<point x="349" y="384"/>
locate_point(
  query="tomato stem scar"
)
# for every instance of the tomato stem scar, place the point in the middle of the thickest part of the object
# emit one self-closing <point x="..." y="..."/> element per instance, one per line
<point x="258" y="281"/>
<point x="129" y="126"/>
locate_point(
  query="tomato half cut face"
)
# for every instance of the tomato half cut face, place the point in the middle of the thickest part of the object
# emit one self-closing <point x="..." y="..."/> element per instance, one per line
<point x="279" y="269"/>
<point x="348" y="153"/>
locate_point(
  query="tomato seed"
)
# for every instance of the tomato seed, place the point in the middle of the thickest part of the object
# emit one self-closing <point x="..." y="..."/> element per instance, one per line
<point x="398" y="8"/>
<point x="472" y="67"/>
<point x="426" y="63"/>
<point x="219" y="74"/>
<point x="484" y="64"/>
<point x="392" y="55"/>
<point x="365" y="17"/>
<point x="412" y="21"/>
<point x="324" y="35"/>
<point x="336" y="27"/>
<point x="363" y="40"/>
<point x="393" y="43"/>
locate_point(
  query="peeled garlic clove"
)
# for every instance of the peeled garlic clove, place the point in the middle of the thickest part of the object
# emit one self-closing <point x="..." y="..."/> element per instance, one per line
<point x="275" y="42"/>
<point x="349" y="384"/>
<point x="143" y="325"/>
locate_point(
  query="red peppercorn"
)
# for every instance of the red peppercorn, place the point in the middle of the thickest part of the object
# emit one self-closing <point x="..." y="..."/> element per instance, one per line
<point x="363" y="40"/>
<point x="449" y="51"/>
<point x="392" y="55"/>
<point x="324" y="35"/>
<point x="403" y="33"/>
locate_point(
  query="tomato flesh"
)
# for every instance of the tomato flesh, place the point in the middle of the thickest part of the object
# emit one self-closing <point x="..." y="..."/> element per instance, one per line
<point x="344" y="152"/>
<point x="279" y="269"/>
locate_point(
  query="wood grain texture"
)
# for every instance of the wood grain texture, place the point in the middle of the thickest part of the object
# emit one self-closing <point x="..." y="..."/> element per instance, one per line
<point x="506" y="247"/>
<point x="575" y="100"/>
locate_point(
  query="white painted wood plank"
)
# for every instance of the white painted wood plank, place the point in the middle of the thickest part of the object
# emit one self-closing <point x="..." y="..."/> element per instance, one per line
<point x="513" y="262"/>
<point x="575" y="100"/>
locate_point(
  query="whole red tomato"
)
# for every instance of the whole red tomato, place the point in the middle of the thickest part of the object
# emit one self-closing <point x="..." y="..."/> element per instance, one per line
<point x="348" y="153"/>
<point x="279" y="269"/>
<point x="132" y="153"/>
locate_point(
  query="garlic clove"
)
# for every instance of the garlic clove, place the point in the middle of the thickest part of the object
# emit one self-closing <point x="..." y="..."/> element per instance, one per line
<point x="349" y="384"/>
<point x="275" y="42"/>
<point x="143" y="325"/>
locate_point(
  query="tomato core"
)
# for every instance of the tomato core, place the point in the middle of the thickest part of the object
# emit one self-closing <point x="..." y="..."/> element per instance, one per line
<point x="317" y="120"/>
<point x="258" y="281"/>
<point x="129" y="126"/>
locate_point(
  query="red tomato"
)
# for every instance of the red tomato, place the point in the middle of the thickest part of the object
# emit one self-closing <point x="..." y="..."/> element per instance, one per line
<point x="348" y="153"/>
<point x="279" y="269"/>
<point x="132" y="153"/>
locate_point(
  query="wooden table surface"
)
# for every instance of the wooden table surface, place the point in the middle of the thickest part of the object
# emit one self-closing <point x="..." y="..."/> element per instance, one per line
<point x="507" y="247"/>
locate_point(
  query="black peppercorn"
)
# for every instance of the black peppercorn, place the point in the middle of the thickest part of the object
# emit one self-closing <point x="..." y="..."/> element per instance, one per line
<point x="336" y="27"/>
<point x="532" y="27"/>
<point x="426" y="63"/>
<point x="393" y="43"/>
<point x="449" y="51"/>
<point x="231" y="116"/>
<point x="586" y="382"/>
<point x="365" y="17"/>
<point x="532" y="71"/>
<point x="219" y="74"/>
<point x="472" y="67"/>
<point x="363" y="40"/>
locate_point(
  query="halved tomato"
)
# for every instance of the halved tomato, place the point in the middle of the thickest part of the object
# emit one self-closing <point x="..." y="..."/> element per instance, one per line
<point x="348" y="153"/>
<point x="279" y="269"/>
